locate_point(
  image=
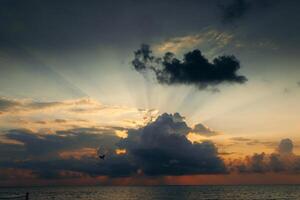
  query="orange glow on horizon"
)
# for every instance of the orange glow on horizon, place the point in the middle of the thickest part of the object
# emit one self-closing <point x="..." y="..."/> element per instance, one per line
<point x="121" y="151"/>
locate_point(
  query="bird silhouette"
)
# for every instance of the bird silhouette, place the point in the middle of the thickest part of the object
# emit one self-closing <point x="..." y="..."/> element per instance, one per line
<point x="101" y="155"/>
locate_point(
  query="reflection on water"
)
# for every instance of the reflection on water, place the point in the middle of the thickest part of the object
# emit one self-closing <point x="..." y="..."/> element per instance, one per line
<point x="158" y="192"/>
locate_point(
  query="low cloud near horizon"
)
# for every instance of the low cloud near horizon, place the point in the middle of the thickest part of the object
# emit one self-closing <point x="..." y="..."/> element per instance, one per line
<point x="160" y="148"/>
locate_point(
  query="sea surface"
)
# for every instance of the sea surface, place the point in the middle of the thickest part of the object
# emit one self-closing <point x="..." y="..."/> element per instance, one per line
<point x="157" y="192"/>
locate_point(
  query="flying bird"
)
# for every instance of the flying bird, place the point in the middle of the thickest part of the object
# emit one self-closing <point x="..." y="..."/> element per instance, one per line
<point x="101" y="156"/>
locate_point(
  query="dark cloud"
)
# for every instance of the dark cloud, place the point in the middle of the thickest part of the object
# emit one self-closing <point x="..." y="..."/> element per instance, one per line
<point x="194" y="69"/>
<point x="256" y="163"/>
<point x="161" y="148"/>
<point x="40" y="153"/>
<point x="12" y="151"/>
<point x="237" y="9"/>
<point x="114" y="166"/>
<point x="276" y="164"/>
<point x="283" y="160"/>
<point x="50" y="145"/>
<point x="285" y="146"/>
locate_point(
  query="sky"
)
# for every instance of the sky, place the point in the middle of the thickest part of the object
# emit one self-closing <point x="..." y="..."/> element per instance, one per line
<point x="186" y="92"/>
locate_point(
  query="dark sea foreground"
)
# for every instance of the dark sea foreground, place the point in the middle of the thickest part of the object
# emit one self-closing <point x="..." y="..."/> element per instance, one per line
<point x="157" y="192"/>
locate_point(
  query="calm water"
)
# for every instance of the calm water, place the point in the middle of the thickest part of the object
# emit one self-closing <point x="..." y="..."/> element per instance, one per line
<point x="158" y="192"/>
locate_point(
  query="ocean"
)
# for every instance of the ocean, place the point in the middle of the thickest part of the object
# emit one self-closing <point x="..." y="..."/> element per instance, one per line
<point x="281" y="192"/>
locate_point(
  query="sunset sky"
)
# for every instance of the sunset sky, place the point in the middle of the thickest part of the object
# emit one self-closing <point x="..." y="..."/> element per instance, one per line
<point x="172" y="92"/>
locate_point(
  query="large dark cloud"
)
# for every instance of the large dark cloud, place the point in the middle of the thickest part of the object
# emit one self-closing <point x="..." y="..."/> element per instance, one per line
<point x="41" y="153"/>
<point x="48" y="146"/>
<point x="194" y="69"/>
<point x="159" y="148"/>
